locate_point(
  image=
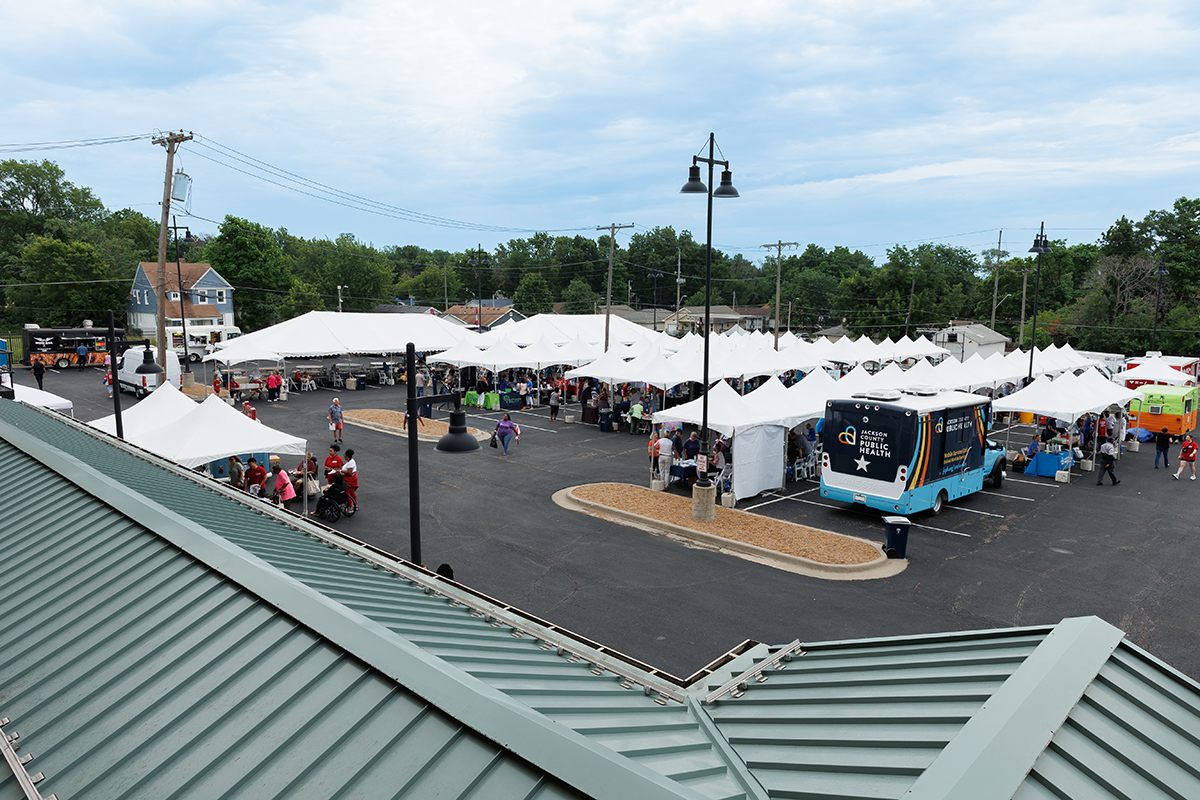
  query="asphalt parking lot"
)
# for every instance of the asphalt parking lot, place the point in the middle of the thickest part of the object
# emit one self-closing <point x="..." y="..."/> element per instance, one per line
<point x="1030" y="553"/>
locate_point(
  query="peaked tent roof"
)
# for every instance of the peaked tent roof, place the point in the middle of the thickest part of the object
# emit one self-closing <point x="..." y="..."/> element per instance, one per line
<point x="1158" y="371"/>
<point x="163" y="406"/>
<point x="213" y="430"/>
<point x="331" y="333"/>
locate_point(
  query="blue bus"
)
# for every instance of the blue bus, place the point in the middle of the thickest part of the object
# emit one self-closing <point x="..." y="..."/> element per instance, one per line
<point x="903" y="452"/>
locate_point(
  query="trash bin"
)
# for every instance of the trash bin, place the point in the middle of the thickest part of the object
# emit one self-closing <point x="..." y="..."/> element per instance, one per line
<point x="895" y="536"/>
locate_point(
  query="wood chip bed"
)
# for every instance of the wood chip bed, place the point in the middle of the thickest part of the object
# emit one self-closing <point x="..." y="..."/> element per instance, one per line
<point x="741" y="526"/>
<point x="395" y="420"/>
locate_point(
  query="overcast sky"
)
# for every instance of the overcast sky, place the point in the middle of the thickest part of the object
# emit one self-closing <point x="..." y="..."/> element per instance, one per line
<point x="863" y="124"/>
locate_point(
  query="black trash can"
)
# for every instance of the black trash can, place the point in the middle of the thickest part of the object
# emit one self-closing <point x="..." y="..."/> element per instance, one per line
<point x="895" y="536"/>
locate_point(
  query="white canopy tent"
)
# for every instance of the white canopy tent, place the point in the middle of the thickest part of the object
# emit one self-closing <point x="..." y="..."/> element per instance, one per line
<point x="243" y="354"/>
<point x="40" y="398"/>
<point x="1156" y="370"/>
<point x="212" y="431"/>
<point x="164" y="406"/>
<point x="330" y="333"/>
<point x="759" y="448"/>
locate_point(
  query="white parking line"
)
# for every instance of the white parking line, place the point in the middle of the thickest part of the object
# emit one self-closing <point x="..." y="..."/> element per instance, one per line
<point x="523" y="424"/>
<point x="780" y="497"/>
<point x="861" y="513"/>
<point x="1009" y="496"/>
<point x="940" y="530"/>
<point x="974" y="511"/>
<point x="1054" y="485"/>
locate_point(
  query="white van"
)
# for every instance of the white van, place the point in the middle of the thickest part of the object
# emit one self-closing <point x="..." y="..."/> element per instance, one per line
<point x="128" y="379"/>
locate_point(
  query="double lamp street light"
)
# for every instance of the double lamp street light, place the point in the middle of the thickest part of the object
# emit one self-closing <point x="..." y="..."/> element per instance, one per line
<point x="704" y="496"/>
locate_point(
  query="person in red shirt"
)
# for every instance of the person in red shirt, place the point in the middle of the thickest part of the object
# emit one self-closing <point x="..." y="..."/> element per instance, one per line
<point x="1187" y="456"/>
<point x="256" y="477"/>
<point x="333" y="462"/>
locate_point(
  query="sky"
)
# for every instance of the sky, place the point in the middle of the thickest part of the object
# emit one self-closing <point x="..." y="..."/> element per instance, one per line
<point x="845" y="123"/>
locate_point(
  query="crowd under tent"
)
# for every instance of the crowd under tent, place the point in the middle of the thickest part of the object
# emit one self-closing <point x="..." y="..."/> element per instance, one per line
<point x="192" y="434"/>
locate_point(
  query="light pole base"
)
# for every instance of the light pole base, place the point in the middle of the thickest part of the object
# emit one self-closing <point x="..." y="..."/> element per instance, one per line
<point x="704" y="501"/>
<point x="188" y="379"/>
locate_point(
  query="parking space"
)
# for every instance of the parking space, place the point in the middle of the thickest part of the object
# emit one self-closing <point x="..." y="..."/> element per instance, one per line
<point x="1031" y="552"/>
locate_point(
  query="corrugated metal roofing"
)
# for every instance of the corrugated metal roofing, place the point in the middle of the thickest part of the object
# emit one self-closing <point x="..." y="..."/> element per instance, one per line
<point x="134" y="655"/>
<point x="865" y="719"/>
<point x="663" y="738"/>
<point x="130" y="669"/>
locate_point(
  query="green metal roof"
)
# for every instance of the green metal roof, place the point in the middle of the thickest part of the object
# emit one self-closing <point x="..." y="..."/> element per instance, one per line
<point x="131" y="669"/>
<point x="204" y="578"/>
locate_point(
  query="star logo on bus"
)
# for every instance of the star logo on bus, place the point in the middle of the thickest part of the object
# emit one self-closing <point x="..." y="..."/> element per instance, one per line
<point x="861" y="463"/>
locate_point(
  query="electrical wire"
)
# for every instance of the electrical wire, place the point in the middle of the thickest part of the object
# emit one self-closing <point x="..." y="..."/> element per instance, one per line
<point x="67" y="144"/>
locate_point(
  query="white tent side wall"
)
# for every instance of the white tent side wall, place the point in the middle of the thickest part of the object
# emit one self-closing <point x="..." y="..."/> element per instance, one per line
<point x="758" y="454"/>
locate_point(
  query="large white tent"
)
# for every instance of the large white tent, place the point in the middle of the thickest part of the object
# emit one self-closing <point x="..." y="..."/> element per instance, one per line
<point x="330" y="333"/>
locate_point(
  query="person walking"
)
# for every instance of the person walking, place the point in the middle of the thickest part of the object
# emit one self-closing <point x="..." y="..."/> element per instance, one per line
<point x="82" y="352"/>
<point x="39" y="372"/>
<point x="1108" y="456"/>
<point x="554" y="404"/>
<point x="1187" y="456"/>
<point x="108" y="383"/>
<point x="1162" y="448"/>
<point x="506" y="429"/>
<point x="335" y="420"/>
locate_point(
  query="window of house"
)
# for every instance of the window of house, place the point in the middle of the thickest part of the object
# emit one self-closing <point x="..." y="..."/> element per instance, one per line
<point x="173" y="296"/>
<point x="220" y="295"/>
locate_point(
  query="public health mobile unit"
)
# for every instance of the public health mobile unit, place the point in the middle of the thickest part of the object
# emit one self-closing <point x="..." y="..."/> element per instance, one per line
<point x="909" y="451"/>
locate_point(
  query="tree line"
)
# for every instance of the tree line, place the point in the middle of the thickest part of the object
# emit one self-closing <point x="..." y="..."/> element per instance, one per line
<point x="64" y="257"/>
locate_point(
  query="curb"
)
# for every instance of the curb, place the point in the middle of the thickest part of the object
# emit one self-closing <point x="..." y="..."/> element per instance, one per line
<point x="421" y="437"/>
<point x="882" y="567"/>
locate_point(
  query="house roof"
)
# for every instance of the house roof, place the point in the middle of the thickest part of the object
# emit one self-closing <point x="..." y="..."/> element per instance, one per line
<point x="193" y="311"/>
<point x="156" y="624"/>
<point x="487" y="315"/>
<point x="188" y="271"/>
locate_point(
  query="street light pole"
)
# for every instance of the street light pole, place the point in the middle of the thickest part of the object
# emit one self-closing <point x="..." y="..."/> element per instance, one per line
<point x="187" y="368"/>
<point x="704" y="496"/>
<point x="1157" y="299"/>
<point x="1041" y="245"/>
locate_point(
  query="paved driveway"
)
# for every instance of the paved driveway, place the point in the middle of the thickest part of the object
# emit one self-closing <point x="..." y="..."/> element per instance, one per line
<point x="1029" y="554"/>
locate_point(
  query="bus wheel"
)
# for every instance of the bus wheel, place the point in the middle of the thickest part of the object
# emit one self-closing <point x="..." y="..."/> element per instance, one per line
<point x="998" y="475"/>
<point x="938" y="503"/>
<point x="62" y="363"/>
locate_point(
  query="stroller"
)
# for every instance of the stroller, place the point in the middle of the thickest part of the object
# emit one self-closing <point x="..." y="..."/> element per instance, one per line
<point x="335" y="501"/>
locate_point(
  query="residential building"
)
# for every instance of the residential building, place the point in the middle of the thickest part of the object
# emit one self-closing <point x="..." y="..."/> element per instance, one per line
<point x="207" y="297"/>
<point x="965" y="339"/>
<point x="484" y="317"/>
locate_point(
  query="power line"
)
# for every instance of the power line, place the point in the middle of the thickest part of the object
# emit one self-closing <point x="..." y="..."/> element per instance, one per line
<point x="68" y="144"/>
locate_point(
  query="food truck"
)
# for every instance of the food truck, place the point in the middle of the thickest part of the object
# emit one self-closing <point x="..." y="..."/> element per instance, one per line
<point x="58" y="347"/>
<point x="910" y="451"/>
<point x="1170" y="407"/>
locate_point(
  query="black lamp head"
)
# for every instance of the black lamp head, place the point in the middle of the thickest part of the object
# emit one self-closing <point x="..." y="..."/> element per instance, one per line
<point x="457" y="440"/>
<point x="726" y="188"/>
<point x="148" y="366"/>
<point x="694" y="185"/>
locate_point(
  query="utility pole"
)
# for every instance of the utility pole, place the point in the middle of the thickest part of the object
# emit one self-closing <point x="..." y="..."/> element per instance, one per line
<point x="612" y="244"/>
<point x="170" y="141"/>
<point x="912" y="293"/>
<point x="996" y="281"/>
<point x="340" y="287"/>
<point x="678" y="283"/>
<point x="445" y="286"/>
<point x="778" y="278"/>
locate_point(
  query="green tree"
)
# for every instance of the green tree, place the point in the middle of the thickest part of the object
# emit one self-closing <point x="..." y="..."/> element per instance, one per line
<point x="431" y="287"/>
<point x="579" y="298"/>
<point x="533" y="296"/>
<point x="249" y="256"/>
<point x="63" y="283"/>
<point x="301" y="298"/>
